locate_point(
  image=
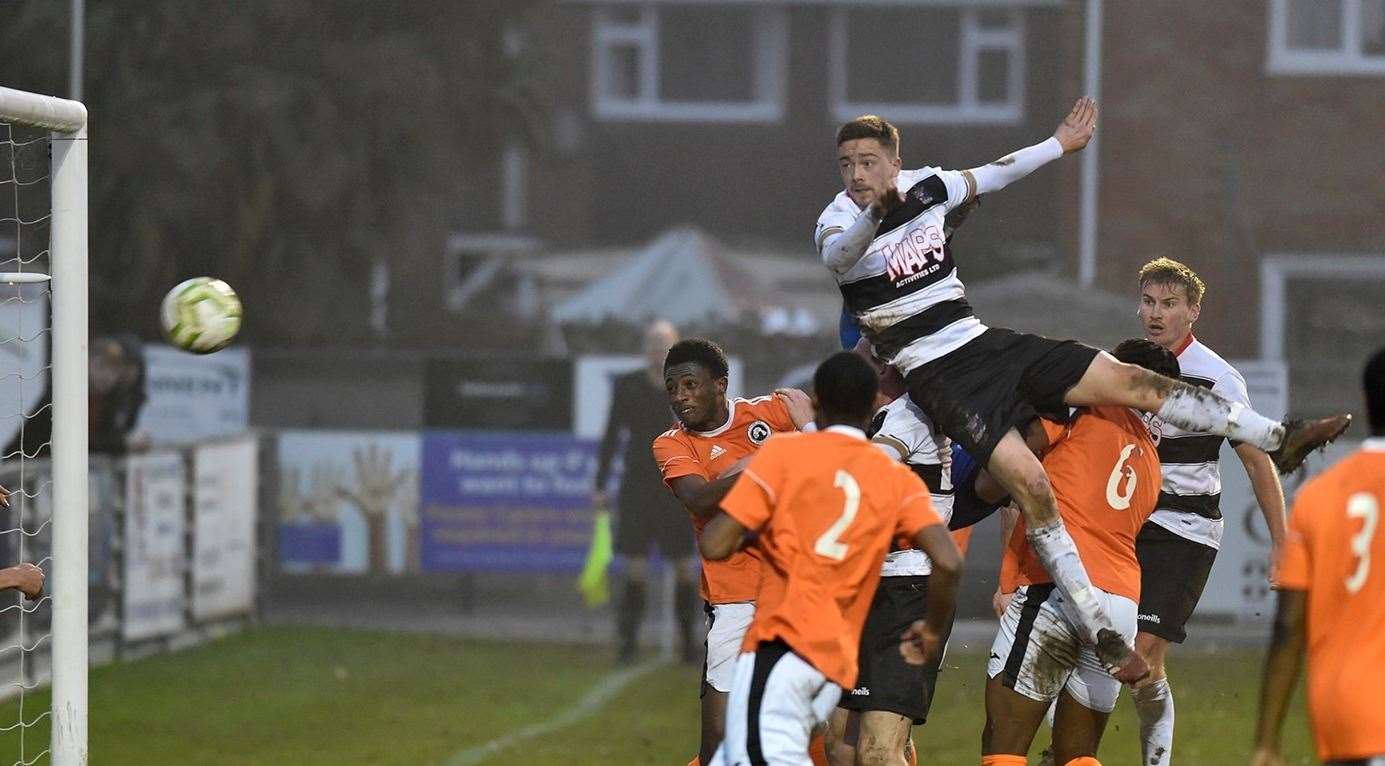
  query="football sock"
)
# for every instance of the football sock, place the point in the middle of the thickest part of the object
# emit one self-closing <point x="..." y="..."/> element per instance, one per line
<point x="1004" y="760"/>
<point x="1083" y="760"/>
<point x="911" y="753"/>
<point x="1154" y="708"/>
<point x="696" y="761"/>
<point x="817" y="749"/>
<point x="1058" y="553"/>
<point x="1198" y="409"/>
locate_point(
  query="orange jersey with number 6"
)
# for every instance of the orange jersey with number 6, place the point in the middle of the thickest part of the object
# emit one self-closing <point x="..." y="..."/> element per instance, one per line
<point x="1104" y="468"/>
<point x="828" y="507"/>
<point x="1335" y="550"/>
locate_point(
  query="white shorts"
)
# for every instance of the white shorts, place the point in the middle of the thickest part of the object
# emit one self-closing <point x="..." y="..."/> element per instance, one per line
<point x="1038" y="652"/>
<point x="726" y="627"/>
<point x="776" y="700"/>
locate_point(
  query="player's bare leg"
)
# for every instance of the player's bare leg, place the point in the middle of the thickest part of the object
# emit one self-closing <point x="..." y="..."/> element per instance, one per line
<point x="1077" y="729"/>
<point x="713" y="722"/>
<point x="1110" y="382"/>
<point x="1012" y="719"/>
<point x="840" y="736"/>
<point x="882" y="739"/>
<point x="1154" y="702"/>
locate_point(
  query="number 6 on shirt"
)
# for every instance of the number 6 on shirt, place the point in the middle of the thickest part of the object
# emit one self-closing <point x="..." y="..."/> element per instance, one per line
<point x="828" y="545"/>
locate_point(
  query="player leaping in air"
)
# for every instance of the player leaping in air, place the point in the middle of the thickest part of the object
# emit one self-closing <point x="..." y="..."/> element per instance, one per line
<point x="883" y="239"/>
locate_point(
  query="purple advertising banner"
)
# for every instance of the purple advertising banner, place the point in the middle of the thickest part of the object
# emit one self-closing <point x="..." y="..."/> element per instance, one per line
<point x="506" y="501"/>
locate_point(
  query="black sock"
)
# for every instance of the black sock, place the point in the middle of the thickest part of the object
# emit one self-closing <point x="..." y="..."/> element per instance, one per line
<point x="629" y="615"/>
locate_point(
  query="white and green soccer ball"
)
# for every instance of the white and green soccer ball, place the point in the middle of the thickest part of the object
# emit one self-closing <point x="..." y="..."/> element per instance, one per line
<point x="201" y="315"/>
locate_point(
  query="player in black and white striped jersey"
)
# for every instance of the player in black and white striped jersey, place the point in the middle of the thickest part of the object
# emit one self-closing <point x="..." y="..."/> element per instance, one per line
<point x="883" y="240"/>
<point x="871" y="724"/>
<point x="1179" y="542"/>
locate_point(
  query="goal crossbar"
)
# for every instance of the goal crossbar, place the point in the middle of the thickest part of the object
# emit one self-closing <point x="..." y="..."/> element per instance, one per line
<point x="68" y="268"/>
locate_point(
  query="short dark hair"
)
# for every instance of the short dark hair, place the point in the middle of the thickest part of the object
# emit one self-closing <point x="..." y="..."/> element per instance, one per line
<point x="846" y="386"/>
<point x="1167" y="271"/>
<point x="1149" y="355"/>
<point x="1373" y="381"/>
<point x="698" y="351"/>
<point x="870" y="126"/>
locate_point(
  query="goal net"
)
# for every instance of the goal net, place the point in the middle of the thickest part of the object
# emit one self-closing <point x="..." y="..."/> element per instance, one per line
<point x="43" y="426"/>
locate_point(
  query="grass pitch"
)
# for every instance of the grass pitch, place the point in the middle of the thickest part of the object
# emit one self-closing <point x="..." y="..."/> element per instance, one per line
<point x="321" y="696"/>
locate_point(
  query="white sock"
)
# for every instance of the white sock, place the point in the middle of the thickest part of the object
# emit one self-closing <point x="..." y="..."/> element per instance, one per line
<point x="1154" y="707"/>
<point x="1058" y="553"/>
<point x="1199" y="409"/>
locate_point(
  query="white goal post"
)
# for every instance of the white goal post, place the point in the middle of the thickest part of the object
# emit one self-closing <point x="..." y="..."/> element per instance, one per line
<point x="68" y="257"/>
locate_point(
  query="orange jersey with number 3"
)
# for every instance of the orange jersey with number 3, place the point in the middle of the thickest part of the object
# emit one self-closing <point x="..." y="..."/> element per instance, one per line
<point x="680" y="452"/>
<point x="828" y="507"/>
<point x="1335" y="550"/>
<point x="1104" y="469"/>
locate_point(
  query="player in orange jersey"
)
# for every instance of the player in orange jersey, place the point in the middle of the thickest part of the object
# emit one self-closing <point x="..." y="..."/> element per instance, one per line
<point x="824" y="509"/>
<point x="1104" y="467"/>
<point x="1332" y="601"/>
<point x="700" y="460"/>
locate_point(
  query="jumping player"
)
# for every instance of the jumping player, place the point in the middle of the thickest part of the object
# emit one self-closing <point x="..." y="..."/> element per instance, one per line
<point x="883" y="239"/>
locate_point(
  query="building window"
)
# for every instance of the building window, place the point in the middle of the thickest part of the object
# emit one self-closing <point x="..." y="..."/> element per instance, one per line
<point x="692" y="63"/>
<point x="945" y="65"/>
<point x="1327" y="37"/>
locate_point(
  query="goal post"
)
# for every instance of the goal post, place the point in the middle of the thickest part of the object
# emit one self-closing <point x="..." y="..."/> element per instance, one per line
<point x="68" y="258"/>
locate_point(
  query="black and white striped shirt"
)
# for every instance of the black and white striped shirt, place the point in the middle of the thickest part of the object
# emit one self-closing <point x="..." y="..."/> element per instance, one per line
<point x="906" y="434"/>
<point x="1189" y="500"/>
<point x="905" y="291"/>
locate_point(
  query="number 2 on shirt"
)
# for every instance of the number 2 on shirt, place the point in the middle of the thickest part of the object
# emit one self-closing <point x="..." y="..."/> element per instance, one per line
<point x="828" y="545"/>
<point x="1362" y="505"/>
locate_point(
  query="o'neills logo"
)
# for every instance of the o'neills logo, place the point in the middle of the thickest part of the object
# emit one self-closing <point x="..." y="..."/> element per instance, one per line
<point x="758" y="432"/>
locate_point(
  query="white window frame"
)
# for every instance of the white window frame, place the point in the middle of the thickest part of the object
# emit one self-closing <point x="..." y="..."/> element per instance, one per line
<point x="770" y="52"/>
<point x="1345" y="60"/>
<point x="975" y="40"/>
<point x="1277" y="269"/>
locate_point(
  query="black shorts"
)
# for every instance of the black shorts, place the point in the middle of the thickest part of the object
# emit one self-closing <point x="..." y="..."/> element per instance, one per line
<point x="885" y="681"/>
<point x="976" y="393"/>
<point x="642" y="523"/>
<point x="1173" y="572"/>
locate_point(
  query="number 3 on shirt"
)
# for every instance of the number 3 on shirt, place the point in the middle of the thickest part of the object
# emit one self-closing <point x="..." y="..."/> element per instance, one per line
<point x="1362" y="506"/>
<point x="828" y="545"/>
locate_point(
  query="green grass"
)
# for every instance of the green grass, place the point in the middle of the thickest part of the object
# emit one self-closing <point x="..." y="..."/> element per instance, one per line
<point x="318" y="696"/>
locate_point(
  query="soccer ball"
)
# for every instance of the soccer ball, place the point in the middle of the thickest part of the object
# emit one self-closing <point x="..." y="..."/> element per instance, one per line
<point x="201" y="315"/>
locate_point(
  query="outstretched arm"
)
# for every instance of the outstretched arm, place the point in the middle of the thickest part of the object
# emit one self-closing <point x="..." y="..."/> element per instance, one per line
<point x="1071" y="136"/>
<point x="922" y="640"/>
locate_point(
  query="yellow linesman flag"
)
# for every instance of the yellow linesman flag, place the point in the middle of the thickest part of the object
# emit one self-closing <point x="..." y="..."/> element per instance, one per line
<point x="593" y="583"/>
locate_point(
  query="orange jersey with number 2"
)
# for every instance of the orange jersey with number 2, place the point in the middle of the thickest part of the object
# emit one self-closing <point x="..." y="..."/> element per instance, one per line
<point x="828" y="507"/>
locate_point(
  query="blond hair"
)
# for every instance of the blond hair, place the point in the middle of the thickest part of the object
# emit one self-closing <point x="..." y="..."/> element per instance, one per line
<point x="1167" y="271"/>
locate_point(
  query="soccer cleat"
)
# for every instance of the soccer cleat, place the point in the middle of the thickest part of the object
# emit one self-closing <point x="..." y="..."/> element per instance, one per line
<point x="1301" y="437"/>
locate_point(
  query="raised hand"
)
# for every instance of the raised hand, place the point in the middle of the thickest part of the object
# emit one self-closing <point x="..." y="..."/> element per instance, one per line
<point x="1077" y="128"/>
<point x="886" y="199"/>
<point x="800" y="406"/>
